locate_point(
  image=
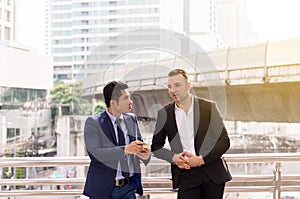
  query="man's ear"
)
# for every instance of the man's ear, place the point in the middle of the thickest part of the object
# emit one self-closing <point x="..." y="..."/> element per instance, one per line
<point x="113" y="102"/>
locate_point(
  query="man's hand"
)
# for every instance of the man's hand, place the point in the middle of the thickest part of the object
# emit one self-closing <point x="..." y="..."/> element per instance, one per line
<point x="193" y="160"/>
<point x="134" y="147"/>
<point x="180" y="161"/>
<point x="144" y="154"/>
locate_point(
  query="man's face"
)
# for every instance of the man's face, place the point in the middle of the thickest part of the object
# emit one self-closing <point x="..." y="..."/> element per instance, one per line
<point x="124" y="105"/>
<point x="178" y="87"/>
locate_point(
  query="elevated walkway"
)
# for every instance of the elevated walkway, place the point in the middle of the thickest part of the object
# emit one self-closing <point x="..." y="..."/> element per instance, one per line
<point x="251" y="83"/>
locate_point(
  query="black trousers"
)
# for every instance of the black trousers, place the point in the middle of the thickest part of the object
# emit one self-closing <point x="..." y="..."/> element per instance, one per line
<point x="195" y="184"/>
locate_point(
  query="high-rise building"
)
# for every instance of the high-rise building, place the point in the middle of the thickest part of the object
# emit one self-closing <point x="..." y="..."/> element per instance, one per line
<point x="79" y="27"/>
<point x="7" y="20"/>
<point x="235" y="28"/>
<point x="201" y="23"/>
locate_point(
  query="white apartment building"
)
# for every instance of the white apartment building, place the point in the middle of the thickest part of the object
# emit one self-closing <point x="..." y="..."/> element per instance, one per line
<point x="7" y="20"/>
<point x="78" y="27"/>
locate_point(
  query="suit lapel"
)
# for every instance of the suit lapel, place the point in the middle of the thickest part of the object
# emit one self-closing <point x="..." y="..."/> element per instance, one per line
<point x="108" y="128"/>
<point x="197" y="131"/>
<point x="132" y="134"/>
<point x="131" y="129"/>
<point x="197" y="110"/>
<point x="173" y="134"/>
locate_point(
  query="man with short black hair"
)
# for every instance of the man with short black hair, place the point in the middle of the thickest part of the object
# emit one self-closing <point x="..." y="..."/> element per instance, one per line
<point x="114" y="144"/>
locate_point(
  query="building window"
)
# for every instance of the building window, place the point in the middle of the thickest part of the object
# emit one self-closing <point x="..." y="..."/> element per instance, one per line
<point x="7" y="33"/>
<point x="84" y="22"/>
<point x="84" y="31"/>
<point x="113" y="29"/>
<point x="63" y="76"/>
<point x="7" y="15"/>
<point x="84" y="13"/>
<point x="112" y="3"/>
<point x="112" y="12"/>
<point x="112" y="20"/>
<point x="84" y="4"/>
<point x="12" y="132"/>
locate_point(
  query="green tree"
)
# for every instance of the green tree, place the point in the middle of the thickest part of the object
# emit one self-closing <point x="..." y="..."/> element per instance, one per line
<point x="100" y="107"/>
<point x="70" y="94"/>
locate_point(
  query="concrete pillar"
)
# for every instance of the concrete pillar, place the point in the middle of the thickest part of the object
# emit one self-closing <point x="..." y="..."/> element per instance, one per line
<point x="3" y="133"/>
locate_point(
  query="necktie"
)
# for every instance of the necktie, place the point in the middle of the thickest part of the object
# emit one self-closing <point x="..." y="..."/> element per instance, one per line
<point x="121" y="142"/>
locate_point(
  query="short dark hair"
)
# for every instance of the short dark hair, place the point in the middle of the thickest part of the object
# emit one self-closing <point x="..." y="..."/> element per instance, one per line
<point x="178" y="71"/>
<point x="112" y="91"/>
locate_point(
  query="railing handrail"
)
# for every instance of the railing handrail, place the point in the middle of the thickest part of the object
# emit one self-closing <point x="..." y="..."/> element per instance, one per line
<point x="275" y="182"/>
<point x="84" y="160"/>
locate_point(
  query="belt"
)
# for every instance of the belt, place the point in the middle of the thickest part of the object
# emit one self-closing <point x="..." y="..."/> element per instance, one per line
<point x="122" y="182"/>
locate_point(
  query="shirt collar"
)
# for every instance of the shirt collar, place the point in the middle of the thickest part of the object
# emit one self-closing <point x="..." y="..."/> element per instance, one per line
<point x="191" y="107"/>
<point x="112" y="117"/>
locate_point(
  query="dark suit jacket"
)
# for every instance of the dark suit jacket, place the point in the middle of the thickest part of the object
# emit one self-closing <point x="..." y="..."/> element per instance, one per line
<point x="211" y="139"/>
<point x="101" y="145"/>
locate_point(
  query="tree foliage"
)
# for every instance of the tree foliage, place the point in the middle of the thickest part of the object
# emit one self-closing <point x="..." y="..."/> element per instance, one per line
<point x="70" y="94"/>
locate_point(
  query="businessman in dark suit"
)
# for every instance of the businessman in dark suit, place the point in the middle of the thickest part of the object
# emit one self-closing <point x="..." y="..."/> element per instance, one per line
<point x="197" y="139"/>
<point x="114" y="144"/>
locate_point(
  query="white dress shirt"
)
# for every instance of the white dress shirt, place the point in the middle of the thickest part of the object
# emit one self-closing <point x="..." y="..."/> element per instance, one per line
<point x="127" y="141"/>
<point x="185" y="126"/>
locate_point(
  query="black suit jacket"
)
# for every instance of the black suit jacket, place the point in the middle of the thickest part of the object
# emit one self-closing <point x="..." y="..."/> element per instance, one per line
<point x="211" y="139"/>
<point x="101" y="145"/>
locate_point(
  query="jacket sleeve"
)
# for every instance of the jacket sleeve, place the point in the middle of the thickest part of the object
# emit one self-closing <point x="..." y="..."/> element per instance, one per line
<point x="216" y="141"/>
<point x="159" y="138"/>
<point x="98" y="145"/>
<point x="139" y="137"/>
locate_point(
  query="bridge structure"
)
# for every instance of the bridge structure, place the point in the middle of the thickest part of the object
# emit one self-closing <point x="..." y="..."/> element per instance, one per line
<point x="250" y="83"/>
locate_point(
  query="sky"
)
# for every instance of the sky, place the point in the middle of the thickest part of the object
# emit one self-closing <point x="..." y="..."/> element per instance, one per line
<point x="30" y="22"/>
<point x="274" y="19"/>
<point x="271" y="19"/>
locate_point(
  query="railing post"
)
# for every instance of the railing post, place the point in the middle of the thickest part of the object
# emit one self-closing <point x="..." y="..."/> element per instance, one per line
<point x="265" y="77"/>
<point x="277" y="181"/>
<point x="227" y="78"/>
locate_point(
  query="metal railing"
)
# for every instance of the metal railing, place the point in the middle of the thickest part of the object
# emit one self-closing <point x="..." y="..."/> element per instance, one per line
<point x="274" y="183"/>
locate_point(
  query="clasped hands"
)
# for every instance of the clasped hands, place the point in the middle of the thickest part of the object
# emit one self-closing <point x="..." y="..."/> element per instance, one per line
<point x="186" y="160"/>
<point x="139" y="148"/>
